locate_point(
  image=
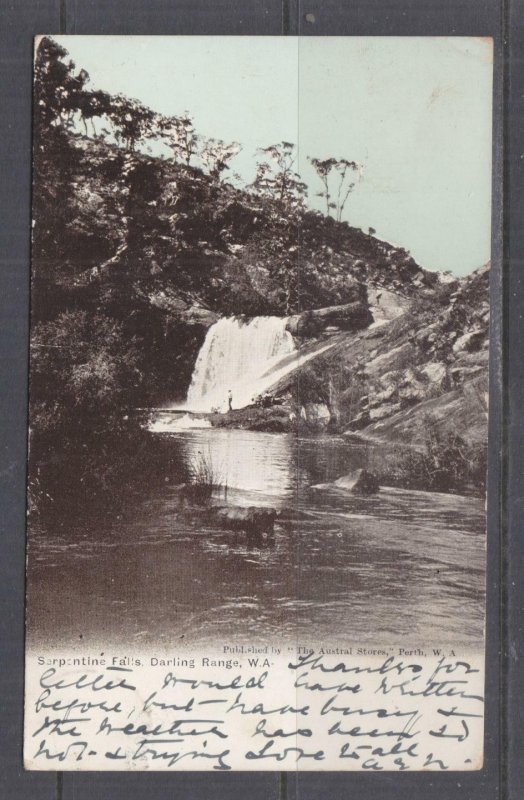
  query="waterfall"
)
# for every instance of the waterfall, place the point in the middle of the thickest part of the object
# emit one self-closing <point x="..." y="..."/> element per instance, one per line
<point x="244" y="358"/>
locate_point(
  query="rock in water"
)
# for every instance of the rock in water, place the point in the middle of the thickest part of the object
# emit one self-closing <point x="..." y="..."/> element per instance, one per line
<point x="253" y="519"/>
<point x="361" y="482"/>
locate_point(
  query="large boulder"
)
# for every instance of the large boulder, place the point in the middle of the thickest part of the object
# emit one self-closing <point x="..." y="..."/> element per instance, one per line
<point x="385" y="305"/>
<point x="317" y="414"/>
<point x="470" y="342"/>
<point x="196" y="315"/>
<point x="435" y="372"/>
<point x="360" y="482"/>
<point x="177" y="310"/>
<point x="383" y="411"/>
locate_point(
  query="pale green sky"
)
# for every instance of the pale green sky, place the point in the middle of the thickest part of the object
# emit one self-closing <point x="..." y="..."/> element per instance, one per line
<point x="416" y="112"/>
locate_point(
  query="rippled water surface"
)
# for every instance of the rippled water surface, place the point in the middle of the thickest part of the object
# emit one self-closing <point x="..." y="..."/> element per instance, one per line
<point x="398" y="567"/>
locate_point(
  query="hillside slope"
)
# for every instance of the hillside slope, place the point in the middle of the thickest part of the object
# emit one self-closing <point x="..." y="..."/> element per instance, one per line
<point x="161" y="250"/>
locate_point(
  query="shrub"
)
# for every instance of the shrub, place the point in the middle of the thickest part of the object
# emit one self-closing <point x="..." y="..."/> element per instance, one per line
<point x="203" y="481"/>
<point x="83" y="370"/>
<point x="445" y="462"/>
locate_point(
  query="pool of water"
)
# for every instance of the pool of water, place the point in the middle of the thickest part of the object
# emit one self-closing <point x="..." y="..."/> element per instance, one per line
<point x="398" y="567"/>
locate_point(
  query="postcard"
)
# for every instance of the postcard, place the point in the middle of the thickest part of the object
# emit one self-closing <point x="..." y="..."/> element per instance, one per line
<point x="258" y="403"/>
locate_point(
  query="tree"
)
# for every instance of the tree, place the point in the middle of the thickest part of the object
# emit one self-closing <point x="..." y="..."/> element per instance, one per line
<point x="180" y="135"/>
<point x="60" y="97"/>
<point x="276" y="177"/>
<point x="216" y="155"/>
<point x="132" y="120"/>
<point x="58" y="91"/>
<point x="93" y="104"/>
<point x="337" y="180"/>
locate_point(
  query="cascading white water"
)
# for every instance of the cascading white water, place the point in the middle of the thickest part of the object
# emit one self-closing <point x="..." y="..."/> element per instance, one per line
<point x="239" y="357"/>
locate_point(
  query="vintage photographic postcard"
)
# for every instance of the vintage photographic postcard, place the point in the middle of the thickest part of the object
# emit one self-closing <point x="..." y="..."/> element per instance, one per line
<point x="258" y="403"/>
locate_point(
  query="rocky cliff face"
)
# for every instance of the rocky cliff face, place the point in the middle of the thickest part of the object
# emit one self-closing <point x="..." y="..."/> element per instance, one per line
<point x="388" y="382"/>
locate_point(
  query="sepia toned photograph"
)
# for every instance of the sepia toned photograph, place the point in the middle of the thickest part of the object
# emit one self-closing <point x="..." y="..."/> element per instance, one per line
<point x="258" y="359"/>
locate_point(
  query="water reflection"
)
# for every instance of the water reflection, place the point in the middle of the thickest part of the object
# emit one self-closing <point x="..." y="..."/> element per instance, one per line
<point x="257" y="463"/>
<point x="268" y="467"/>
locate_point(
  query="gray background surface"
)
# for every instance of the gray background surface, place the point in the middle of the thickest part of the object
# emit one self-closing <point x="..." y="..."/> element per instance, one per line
<point x="502" y="774"/>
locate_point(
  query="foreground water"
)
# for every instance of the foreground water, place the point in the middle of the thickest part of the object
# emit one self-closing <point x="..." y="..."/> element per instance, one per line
<point x="398" y="567"/>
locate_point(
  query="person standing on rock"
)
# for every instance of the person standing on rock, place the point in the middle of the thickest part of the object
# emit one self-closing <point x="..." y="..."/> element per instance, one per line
<point x="230" y="399"/>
